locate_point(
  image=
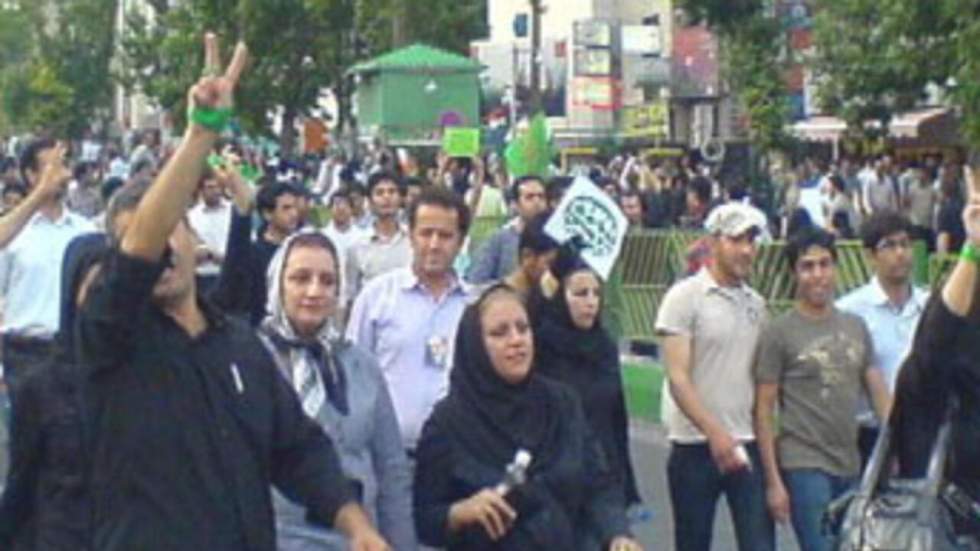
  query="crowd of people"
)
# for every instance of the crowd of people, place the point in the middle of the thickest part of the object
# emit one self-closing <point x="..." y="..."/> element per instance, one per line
<point x="195" y="359"/>
<point x="193" y="364"/>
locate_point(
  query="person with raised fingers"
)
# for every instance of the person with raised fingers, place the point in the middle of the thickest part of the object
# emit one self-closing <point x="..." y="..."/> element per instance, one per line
<point x="941" y="368"/>
<point x="192" y="424"/>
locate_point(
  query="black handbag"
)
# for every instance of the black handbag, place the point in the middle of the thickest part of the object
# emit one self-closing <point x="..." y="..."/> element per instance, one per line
<point x="898" y="514"/>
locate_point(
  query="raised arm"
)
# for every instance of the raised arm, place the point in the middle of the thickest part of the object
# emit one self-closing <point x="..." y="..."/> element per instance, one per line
<point x="54" y="176"/>
<point x="235" y="280"/>
<point x="167" y="199"/>
<point x="960" y="288"/>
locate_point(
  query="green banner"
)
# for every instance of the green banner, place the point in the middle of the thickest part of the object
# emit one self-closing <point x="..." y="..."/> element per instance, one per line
<point x="461" y="142"/>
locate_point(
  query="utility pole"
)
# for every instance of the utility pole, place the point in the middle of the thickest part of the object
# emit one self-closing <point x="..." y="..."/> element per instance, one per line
<point x="536" y="11"/>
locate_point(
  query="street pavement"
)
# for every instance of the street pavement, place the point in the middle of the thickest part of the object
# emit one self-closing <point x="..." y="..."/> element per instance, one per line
<point x="649" y="447"/>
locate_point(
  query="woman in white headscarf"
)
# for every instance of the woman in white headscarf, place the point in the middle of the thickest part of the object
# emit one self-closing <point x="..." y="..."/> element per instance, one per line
<point x="340" y="386"/>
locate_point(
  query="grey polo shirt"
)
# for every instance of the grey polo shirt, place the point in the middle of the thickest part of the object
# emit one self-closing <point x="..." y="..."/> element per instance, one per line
<point x="723" y="324"/>
<point x="373" y="256"/>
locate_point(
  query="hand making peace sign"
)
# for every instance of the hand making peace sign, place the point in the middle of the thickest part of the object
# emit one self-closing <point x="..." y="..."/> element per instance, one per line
<point x="215" y="90"/>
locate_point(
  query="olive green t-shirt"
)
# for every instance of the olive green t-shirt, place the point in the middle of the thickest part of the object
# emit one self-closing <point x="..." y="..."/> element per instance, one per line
<point x="820" y="367"/>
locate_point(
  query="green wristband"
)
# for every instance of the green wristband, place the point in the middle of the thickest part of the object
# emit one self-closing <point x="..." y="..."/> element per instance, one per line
<point x="970" y="253"/>
<point x="215" y="120"/>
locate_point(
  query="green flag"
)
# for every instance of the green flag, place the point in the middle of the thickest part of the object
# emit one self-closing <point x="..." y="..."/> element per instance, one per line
<point x="530" y="153"/>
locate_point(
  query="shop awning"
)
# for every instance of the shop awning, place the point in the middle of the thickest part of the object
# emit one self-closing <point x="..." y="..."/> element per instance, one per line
<point x="933" y="124"/>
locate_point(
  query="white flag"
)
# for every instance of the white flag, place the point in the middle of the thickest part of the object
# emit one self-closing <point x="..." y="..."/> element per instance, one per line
<point x="587" y="211"/>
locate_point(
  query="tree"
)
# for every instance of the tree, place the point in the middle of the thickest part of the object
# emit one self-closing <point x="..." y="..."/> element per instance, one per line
<point x="964" y="86"/>
<point x="54" y="52"/>
<point x="448" y="24"/>
<point x="753" y="43"/>
<point x="875" y="58"/>
<point x="298" y="50"/>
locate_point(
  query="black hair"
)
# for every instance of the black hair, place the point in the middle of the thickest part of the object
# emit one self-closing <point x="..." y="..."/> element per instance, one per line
<point x="125" y="199"/>
<point x="838" y="183"/>
<point x="440" y="196"/>
<point x="81" y="169"/>
<point x="798" y="221"/>
<point x="515" y="190"/>
<point x="15" y="187"/>
<point x="300" y="191"/>
<point x="109" y="187"/>
<point x="30" y="156"/>
<point x="413" y="181"/>
<point x="342" y="193"/>
<point x="632" y="192"/>
<point x="355" y="187"/>
<point x="534" y="238"/>
<point x="841" y="222"/>
<point x="270" y="193"/>
<point x="701" y="187"/>
<point x="806" y="238"/>
<point x="375" y="179"/>
<point x="557" y="186"/>
<point x="880" y="225"/>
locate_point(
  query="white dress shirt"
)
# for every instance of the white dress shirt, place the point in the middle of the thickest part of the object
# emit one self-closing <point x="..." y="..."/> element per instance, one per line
<point x="30" y="274"/>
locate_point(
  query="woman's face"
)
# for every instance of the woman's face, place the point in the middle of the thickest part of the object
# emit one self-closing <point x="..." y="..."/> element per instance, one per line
<point x="309" y="288"/>
<point x="583" y="295"/>
<point x="507" y="337"/>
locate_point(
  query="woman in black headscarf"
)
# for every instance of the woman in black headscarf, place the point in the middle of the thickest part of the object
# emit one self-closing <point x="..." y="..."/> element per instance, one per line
<point x="45" y="503"/>
<point x="574" y="348"/>
<point x="498" y="405"/>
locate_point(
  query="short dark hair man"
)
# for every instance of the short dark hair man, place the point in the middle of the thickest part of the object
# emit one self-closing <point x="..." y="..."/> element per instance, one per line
<point x="385" y="319"/>
<point x="192" y="422"/>
<point x="277" y="204"/>
<point x="815" y="361"/>
<point x="632" y="204"/>
<point x="889" y="304"/>
<point x="497" y="257"/>
<point x="537" y="250"/>
<point x="385" y="246"/>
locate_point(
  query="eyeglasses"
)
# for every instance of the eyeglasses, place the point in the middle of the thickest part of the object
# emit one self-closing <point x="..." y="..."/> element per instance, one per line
<point x="893" y="244"/>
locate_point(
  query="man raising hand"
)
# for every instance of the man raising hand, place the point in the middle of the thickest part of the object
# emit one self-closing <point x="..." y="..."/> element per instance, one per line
<point x="191" y="420"/>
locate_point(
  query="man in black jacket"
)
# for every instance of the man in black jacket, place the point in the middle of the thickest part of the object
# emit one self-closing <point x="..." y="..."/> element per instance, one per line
<point x="943" y="365"/>
<point x="191" y="421"/>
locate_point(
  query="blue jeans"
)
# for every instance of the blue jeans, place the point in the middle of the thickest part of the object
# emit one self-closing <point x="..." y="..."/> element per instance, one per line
<point x="695" y="486"/>
<point x="810" y="491"/>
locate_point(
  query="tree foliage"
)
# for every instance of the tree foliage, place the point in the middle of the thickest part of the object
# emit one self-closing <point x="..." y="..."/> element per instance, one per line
<point x="299" y="48"/>
<point x="54" y="63"/>
<point x="875" y="58"/>
<point x="753" y="43"/>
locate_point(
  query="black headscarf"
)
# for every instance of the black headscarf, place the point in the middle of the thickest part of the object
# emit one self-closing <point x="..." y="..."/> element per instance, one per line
<point x="82" y="253"/>
<point x="492" y="417"/>
<point x="588" y="361"/>
<point x="554" y="329"/>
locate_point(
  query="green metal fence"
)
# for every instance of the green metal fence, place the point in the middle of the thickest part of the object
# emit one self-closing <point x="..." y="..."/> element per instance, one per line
<point x="652" y="260"/>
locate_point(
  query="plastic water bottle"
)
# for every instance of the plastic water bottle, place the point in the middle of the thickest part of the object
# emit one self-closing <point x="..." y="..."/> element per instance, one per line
<point x="516" y="473"/>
